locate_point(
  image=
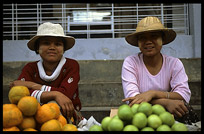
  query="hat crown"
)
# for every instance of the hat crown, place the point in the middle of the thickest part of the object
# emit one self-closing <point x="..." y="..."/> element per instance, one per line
<point x="48" y="28"/>
<point x="149" y="23"/>
<point x="52" y="30"/>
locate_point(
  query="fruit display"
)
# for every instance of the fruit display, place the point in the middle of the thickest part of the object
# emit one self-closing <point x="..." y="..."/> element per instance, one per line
<point x="16" y="93"/>
<point x="24" y="113"/>
<point x="140" y="117"/>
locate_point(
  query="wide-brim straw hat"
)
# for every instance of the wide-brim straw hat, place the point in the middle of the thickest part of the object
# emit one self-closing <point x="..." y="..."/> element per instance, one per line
<point x="49" y="29"/>
<point x="150" y="24"/>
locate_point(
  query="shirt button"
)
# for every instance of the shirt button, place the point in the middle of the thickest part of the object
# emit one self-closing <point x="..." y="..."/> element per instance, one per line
<point x="74" y="96"/>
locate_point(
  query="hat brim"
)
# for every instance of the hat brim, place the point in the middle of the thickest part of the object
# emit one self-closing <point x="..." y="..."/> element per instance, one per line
<point x="169" y="36"/>
<point x="70" y="41"/>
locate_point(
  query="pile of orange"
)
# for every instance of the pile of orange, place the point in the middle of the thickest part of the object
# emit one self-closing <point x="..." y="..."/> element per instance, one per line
<point x="24" y="113"/>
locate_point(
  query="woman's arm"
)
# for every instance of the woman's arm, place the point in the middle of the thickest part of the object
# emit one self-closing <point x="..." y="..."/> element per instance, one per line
<point x="129" y="76"/>
<point x="179" y="81"/>
<point x="63" y="101"/>
<point x="176" y="107"/>
<point x="153" y="94"/>
<point x="28" y="84"/>
<point x="162" y="94"/>
<point x="27" y="78"/>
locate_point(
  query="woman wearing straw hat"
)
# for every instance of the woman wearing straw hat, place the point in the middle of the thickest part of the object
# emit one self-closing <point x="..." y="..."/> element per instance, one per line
<point x="53" y="77"/>
<point x="150" y="76"/>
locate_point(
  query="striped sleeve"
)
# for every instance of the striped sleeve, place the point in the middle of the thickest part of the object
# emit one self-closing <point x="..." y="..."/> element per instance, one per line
<point x="45" y="88"/>
<point x="37" y="94"/>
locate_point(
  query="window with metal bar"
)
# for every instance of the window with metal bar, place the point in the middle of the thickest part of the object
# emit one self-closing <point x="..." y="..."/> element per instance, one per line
<point x="90" y="20"/>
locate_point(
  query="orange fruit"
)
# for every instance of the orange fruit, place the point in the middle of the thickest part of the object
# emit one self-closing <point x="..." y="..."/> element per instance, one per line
<point x="28" y="122"/>
<point x="69" y="127"/>
<point x="51" y="125"/>
<point x="56" y="107"/>
<point x="14" y="128"/>
<point x="29" y="129"/>
<point x="39" y="105"/>
<point x="12" y="116"/>
<point x="62" y="120"/>
<point x="45" y="113"/>
<point x="28" y="105"/>
<point x="17" y="92"/>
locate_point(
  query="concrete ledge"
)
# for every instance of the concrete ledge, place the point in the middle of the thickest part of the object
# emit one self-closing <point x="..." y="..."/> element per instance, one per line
<point x="101" y="70"/>
<point x="193" y="69"/>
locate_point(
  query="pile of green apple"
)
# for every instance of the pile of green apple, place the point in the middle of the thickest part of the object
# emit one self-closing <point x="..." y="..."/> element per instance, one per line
<point x="140" y="117"/>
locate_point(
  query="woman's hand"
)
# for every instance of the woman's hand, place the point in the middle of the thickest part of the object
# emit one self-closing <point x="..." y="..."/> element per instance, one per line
<point x="21" y="83"/>
<point x="65" y="103"/>
<point x="139" y="98"/>
<point x="176" y="107"/>
<point x="28" y="84"/>
<point x="18" y="83"/>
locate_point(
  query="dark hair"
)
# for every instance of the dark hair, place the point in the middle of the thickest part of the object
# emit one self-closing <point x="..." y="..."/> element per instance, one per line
<point x="163" y="36"/>
<point x="36" y="46"/>
<point x="37" y="42"/>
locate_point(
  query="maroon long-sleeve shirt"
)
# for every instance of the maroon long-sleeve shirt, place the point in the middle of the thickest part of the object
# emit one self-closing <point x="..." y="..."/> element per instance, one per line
<point x="66" y="82"/>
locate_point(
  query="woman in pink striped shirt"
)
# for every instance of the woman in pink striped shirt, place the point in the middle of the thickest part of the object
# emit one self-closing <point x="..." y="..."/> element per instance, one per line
<point x="150" y="76"/>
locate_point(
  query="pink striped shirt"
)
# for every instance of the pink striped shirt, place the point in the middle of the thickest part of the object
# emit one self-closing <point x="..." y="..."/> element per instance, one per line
<point x="172" y="77"/>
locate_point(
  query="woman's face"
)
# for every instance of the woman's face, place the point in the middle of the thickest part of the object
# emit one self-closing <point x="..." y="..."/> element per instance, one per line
<point x="150" y="43"/>
<point x="51" y="49"/>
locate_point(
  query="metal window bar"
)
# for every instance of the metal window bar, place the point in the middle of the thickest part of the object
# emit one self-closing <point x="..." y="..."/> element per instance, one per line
<point x="162" y="14"/>
<point x="112" y="20"/>
<point x="16" y="23"/>
<point x="12" y="21"/>
<point x="88" y="25"/>
<point x="20" y="21"/>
